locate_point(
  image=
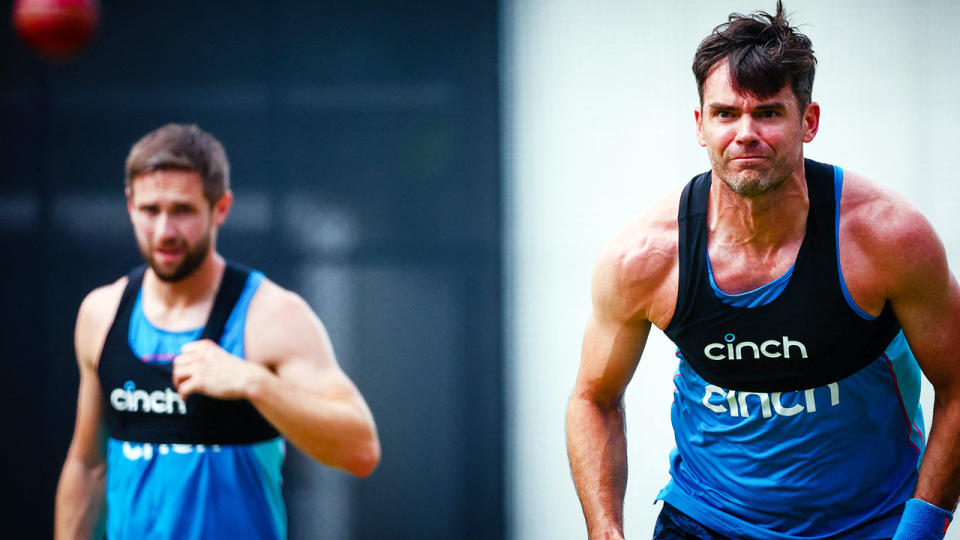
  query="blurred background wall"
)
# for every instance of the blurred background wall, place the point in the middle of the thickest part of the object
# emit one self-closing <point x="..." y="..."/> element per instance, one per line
<point x="598" y="125"/>
<point x="364" y="141"/>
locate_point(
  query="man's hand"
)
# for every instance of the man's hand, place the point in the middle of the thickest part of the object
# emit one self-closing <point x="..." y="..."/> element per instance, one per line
<point x="203" y="367"/>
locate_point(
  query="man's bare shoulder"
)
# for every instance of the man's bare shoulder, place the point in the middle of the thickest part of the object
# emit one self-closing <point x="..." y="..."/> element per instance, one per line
<point x="636" y="276"/>
<point x="281" y="324"/>
<point x="273" y="302"/>
<point x="882" y="227"/>
<point x="879" y="218"/>
<point x="94" y="319"/>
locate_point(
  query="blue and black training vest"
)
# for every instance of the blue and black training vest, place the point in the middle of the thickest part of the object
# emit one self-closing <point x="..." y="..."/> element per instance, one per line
<point x="199" y="468"/>
<point x="796" y="413"/>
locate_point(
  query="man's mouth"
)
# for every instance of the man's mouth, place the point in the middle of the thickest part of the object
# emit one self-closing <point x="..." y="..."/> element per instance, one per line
<point x="168" y="253"/>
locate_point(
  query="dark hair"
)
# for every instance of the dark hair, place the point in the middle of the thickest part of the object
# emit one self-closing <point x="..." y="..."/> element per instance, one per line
<point x="764" y="53"/>
<point x="182" y="147"/>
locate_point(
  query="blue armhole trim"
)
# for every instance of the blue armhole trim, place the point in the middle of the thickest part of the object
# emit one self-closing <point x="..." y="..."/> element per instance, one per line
<point x="838" y="189"/>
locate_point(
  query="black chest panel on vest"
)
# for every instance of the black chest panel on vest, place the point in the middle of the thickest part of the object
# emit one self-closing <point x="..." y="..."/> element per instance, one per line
<point x="809" y="336"/>
<point x="140" y="401"/>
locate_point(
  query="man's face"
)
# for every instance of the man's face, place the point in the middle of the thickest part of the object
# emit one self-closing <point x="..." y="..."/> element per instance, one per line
<point x="754" y="144"/>
<point x="174" y="223"/>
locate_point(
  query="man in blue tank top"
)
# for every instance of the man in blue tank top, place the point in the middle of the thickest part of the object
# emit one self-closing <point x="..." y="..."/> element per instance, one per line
<point x="194" y="371"/>
<point x="804" y="301"/>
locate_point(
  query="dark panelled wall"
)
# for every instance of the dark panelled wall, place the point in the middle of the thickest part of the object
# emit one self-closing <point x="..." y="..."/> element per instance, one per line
<point x="363" y="138"/>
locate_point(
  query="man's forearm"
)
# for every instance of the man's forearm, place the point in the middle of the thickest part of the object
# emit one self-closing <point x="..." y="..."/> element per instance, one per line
<point x="939" y="481"/>
<point x="597" y="448"/>
<point x="337" y="430"/>
<point x="80" y="501"/>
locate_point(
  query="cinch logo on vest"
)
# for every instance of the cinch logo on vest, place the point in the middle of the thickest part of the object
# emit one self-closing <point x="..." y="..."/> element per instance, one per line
<point x="129" y="399"/>
<point x="771" y="348"/>
<point x="135" y="451"/>
<point x="770" y="404"/>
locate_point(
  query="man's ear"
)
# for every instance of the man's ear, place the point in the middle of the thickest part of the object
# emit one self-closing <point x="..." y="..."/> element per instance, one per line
<point x="811" y="121"/>
<point x="129" y="194"/>
<point x="221" y="209"/>
<point x="698" y="117"/>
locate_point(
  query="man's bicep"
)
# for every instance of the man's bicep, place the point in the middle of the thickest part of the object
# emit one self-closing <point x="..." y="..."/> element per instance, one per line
<point x="308" y="361"/>
<point x="89" y="432"/>
<point x="609" y="357"/>
<point x="925" y="298"/>
<point x="931" y="323"/>
<point x="306" y="356"/>
<point x="93" y="321"/>
<point x="286" y="335"/>
<point x="89" y="435"/>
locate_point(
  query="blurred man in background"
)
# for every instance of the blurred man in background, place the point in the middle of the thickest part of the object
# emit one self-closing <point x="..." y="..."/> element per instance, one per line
<point x="193" y="371"/>
<point x="804" y="300"/>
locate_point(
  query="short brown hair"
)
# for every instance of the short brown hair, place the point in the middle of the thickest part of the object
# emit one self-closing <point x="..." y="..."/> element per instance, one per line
<point x="183" y="147"/>
<point x="764" y="53"/>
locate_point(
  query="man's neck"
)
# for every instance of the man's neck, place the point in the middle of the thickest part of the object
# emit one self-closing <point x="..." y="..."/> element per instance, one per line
<point x="762" y="223"/>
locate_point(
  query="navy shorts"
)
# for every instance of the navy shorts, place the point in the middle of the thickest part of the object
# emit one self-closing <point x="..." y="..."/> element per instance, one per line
<point x="675" y="525"/>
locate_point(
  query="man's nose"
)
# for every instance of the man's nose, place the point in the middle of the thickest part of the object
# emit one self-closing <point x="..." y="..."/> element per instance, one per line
<point x="165" y="227"/>
<point x="747" y="130"/>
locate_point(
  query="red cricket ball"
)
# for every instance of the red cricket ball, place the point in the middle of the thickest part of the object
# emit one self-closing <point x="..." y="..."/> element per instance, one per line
<point x="56" y="28"/>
